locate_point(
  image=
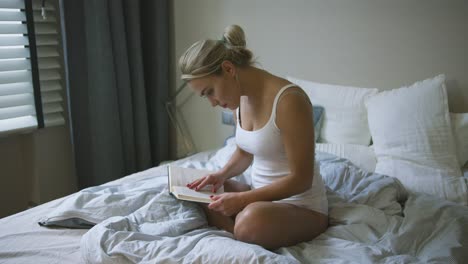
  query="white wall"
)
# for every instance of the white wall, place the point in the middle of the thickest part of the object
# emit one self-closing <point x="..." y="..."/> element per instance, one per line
<point x="35" y="168"/>
<point x="366" y="43"/>
<point x="15" y="187"/>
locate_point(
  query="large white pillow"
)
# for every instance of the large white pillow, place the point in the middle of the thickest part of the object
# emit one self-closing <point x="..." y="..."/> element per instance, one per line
<point x="413" y="140"/>
<point x="359" y="155"/>
<point x="460" y="134"/>
<point x="345" y="116"/>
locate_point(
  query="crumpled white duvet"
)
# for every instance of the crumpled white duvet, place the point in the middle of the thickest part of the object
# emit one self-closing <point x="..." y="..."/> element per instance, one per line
<point x="138" y="221"/>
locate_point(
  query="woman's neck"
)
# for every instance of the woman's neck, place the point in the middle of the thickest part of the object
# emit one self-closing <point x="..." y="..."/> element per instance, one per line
<point x="252" y="82"/>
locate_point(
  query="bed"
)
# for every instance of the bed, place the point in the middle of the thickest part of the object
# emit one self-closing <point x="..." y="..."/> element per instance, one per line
<point x="374" y="218"/>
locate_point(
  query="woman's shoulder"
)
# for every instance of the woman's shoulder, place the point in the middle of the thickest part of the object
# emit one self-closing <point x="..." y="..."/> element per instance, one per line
<point x="293" y="94"/>
<point x="276" y="84"/>
<point x="292" y="98"/>
<point x="293" y="104"/>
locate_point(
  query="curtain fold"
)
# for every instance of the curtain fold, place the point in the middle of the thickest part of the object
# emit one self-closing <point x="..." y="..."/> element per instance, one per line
<point x="118" y="72"/>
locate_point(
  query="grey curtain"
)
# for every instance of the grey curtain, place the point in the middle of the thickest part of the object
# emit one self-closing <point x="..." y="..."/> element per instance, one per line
<point x="117" y="52"/>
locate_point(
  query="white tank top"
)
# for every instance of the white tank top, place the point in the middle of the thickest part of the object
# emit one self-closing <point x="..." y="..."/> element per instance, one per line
<point x="270" y="162"/>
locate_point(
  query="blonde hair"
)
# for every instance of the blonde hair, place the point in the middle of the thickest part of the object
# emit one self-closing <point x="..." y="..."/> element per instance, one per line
<point x="205" y="56"/>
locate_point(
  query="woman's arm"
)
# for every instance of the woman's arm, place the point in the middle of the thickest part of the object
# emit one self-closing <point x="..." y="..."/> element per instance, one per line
<point x="238" y="163"/>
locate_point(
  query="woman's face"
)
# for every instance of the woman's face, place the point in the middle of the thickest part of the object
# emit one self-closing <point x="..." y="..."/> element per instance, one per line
<point x="222" y="90"/>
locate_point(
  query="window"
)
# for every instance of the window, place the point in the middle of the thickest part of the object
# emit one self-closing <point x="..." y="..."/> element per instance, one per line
<point x="30" y="79"/>
<point x="50" y="59"/>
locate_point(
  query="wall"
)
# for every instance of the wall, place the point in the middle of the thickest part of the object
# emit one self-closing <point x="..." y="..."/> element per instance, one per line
<point x="16" y="183"/>
<point x="35" y="168"/>
<point x="365" y="43"/>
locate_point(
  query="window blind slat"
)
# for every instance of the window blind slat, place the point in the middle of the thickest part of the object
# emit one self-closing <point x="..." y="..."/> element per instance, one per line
<point x="48" y="86"/>
<point x="47" y="40"/>
<point x="16" y="88"/>
<point x="13" y="41"/>
<point x="12" y="16"/>
<point x="50" y="17"/>
<point x="13" y="29"/>
<point x="38" y="4"/>
<point x="15" y="76"/>
<point x="51" y="97"/>
<point x="45" y="51"/>
<point x="17" y="4"/>
<point x="52" y="108"/>
<point x="49" y="75"/>
<point x="16" y="100"/>
<point x="12" y="125"/>
<point x="17" y="111"/>
<point x="14" y="53"/>
<point x="49" y="63"/>
<point x="54" y="119"/>
<point x="42" y="29"/>
<point x="15" y="65"/>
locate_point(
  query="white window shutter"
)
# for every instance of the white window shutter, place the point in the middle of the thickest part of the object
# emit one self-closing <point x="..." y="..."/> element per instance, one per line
<point x="50" y="60"/>
<point x="17" y="107"/>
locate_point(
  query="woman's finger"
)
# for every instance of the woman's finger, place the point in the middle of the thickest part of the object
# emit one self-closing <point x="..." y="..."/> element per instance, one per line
<point x="214" y="205"/>
<point x="195" y="183"/>
<point x="207" y="180"/>
<point x="215" y="197"/>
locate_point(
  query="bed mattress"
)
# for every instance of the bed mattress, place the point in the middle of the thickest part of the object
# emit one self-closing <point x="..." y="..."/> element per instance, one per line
<point x="134" y="219"/>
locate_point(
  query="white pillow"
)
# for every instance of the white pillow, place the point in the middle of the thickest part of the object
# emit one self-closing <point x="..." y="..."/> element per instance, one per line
<point x="460" y="134"/>
<point x="345" y="116"/>
<point x="413" y="140"/>
<point x="361" y="156"/>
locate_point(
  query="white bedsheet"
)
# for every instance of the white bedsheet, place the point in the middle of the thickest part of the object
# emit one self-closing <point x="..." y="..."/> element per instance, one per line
<point x="137" y="221"/>
<point x="22" y="240"/>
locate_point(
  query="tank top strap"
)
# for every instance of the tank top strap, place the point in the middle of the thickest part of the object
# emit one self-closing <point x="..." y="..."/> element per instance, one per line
<point x="275" y="102"/>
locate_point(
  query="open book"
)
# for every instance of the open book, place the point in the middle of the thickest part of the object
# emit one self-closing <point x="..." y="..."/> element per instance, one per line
<point x="179" y="177"/>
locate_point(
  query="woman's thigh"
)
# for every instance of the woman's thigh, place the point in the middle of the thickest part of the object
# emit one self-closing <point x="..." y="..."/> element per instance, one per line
<point x="219" y="220"/>
<point x="274" y="225"/>
<point x="235" y="186"/>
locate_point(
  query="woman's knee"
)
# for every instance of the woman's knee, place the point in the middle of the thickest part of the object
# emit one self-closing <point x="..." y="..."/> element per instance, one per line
<point x="251" y="222"/>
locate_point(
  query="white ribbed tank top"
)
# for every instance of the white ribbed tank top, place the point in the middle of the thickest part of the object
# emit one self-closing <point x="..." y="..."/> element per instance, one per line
<point x="270" y="162"/>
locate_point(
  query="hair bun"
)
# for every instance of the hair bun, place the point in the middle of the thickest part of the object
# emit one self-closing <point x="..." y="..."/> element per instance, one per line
<point x="234" y="36"/>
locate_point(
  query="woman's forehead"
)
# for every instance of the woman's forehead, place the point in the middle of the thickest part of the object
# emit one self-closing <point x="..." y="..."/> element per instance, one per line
<point x="200" y="83"/>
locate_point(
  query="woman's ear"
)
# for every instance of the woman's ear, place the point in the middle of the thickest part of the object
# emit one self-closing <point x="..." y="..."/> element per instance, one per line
<point x="229" y="68"/>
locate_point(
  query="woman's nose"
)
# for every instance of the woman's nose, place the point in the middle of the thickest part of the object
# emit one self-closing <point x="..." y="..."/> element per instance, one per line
<point x="213" y="101"/>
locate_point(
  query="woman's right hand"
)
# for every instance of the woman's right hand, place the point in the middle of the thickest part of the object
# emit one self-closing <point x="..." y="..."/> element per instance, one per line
<point x="215" y="179"/>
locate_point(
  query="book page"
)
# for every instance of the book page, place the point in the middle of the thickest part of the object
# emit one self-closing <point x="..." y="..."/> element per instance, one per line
<point x="187" y="193"/>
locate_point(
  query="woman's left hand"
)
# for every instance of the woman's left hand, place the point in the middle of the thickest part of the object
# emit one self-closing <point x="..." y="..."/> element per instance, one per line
<point x="227" y="203"/>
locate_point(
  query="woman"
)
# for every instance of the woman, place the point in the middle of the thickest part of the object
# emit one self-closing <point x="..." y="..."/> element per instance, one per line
<point x="286" y="203"/>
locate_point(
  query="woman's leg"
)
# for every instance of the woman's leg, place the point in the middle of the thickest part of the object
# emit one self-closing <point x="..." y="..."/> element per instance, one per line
<point x="219" y="220"/>
<point x="274" y="225"/>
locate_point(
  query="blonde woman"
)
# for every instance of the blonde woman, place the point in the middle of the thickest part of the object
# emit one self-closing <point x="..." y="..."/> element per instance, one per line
<point x="286" y="203"/>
